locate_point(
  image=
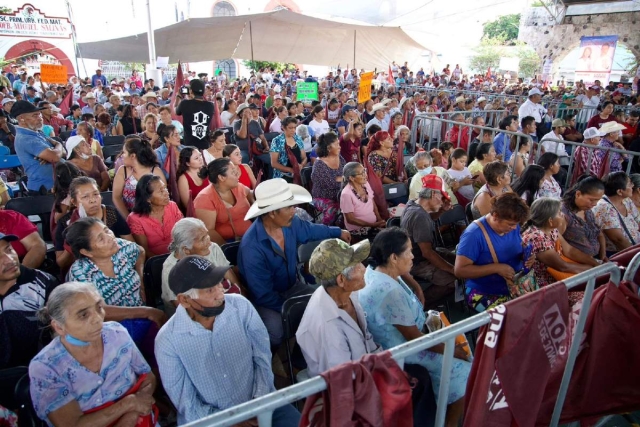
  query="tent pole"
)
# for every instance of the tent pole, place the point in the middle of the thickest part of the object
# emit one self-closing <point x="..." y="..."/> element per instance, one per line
<point x="251" y="40"/>
<point x="150" y="38"/>
<point x="354" y="49"/>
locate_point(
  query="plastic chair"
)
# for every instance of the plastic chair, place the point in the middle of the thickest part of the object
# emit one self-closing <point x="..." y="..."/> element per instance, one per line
<point x="469" y="213"/>
<point x="65" y="135"/>
<point x="9" y="161"/>
<point x="394" y="221"/>
<point x="107" y="198"/>
<point x="305" y="250"/>
<point x="112" y="140"/>
<point x="4" y="150"/>
<point x="269" y="136"/>
<point x="455" y="215"/>
<point x="26" y="413"/>
<point x="230" y="251"/>
<point x="152" y="276"/>
<point x="9" y="378"/>
<point x="305" y="174"/>
<point x="109" y="151"/>
<point x="40" y="206"/>
<point x="292" y="312"/>
<point x="395" y="191"/>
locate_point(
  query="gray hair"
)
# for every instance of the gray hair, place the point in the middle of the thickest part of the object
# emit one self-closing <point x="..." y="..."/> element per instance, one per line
<point x="61" y="296"/>
<point x="302" y="131"/>
<point x="456" y="115"/>
<point x="192" y="293"/>
<point x="426" y="193"/>
<point x="421" y="155"/>
<point x="184" y="234"/>
<point x="543" y="209"/>
<point x="49" y="93"/>
<point x="349" y="171"/>
<point x="400" y="129"/>
<point x="329" y="283"/>
<point x="635" y="180"/>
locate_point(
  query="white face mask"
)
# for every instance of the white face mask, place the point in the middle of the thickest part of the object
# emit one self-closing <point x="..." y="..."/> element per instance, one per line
<point x="425" y="171"/>
<point x="84" y="156"/>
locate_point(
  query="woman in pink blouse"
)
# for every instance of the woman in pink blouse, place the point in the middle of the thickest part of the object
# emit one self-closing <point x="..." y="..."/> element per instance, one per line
<point x="153" y="216"/>
<point x="361" y="216"/>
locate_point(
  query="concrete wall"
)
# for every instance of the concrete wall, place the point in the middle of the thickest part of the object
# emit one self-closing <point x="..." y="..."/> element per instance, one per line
<point x="538" y="30"/>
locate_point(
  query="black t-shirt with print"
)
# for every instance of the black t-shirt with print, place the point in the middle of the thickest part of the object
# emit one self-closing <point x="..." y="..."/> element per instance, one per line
<point x="196" y="117"/>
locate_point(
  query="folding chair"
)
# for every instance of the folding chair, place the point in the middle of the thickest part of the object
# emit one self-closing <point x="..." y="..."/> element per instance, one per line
<point x="269" y="136"/>
<point x="469" y="213"/>
<point x="107" y="198"/>
<point x="9" y="378"/>
<point x="9" y="161"/>
<point x="4" y="150"/>
<point x="152" y="276"/>
<point x="305" y="250"/>
<point x="112" y="140"/>
<point x="26" y="413"/>
<point x="110" y="151"/>
<point x="455" y="215"/>
<point x="40" y="206"/>
<point x="65" y="135"/>
<point x="305" y="174"/>
<point x="292" y="312"/>
<point x="398" y="192"/>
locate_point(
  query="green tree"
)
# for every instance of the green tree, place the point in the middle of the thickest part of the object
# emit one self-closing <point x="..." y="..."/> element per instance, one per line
<point x="256" y="65"/>
<point x="529" y="60"/>
<point x="131" y="66"/>
<point x="505" y="27"/>
<point x="487" y="55"/>
<point x="5" y="9"/>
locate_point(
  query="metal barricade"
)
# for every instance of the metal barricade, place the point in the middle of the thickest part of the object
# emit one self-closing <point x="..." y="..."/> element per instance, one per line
<point x="263" y="407"/>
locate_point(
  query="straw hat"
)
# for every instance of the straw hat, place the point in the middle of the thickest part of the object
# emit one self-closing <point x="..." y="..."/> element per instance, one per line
<point x="377" y="107"/>
<point x="274" y="194"/>
<point x="150" y="94"/>
<point x="90" y="95"/>
<point x="610" y="127"/>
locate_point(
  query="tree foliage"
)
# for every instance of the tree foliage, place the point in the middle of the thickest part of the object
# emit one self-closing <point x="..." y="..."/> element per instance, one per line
<point x="505" y="27"/>
<point x="5" y="9"/>
<point x="490" y="50"/>
<point x="256" y="65"/>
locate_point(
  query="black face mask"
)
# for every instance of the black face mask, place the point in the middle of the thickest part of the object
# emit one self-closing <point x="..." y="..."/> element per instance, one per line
<point x="210" y="311"/>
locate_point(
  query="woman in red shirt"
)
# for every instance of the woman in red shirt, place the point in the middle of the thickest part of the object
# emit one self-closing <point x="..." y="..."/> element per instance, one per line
<point x="192" y="175"/>
<point x="606" y="115"/>
<point x="247" y="178"/>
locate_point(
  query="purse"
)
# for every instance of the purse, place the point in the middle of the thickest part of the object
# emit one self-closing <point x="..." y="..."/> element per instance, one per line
<point x="521" y="283"/>
<point x="557" y="274"/>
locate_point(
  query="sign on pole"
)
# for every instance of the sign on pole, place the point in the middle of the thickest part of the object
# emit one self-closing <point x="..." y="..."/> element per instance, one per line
<point x="595" y="59"/>
<point x="307" y="91"/>
<point x="364" y="91"/>
<point x="50" y="73"/>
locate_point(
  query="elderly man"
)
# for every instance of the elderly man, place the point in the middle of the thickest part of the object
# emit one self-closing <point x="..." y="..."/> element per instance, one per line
<point x="98" y="78"/>
<point x="149" y="98"/>
<point x="214" y="353"/>
<point x="532" y="107"/>
<point x="50" y="117"/>
<point x="378" y="119"/>
<point x="191" y="237"/>
<point x="268" y="252"/>
<point x="586" y="160"/>
<point x="418" y="221"/>
<point x="459" y="136"/>
<point x="36" y="152"/>
<point x="333" y="329"/>
<point x="550" y="144"/>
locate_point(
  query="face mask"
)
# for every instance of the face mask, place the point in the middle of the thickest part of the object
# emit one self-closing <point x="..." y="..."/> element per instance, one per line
<point x="84" y="156"/>
<point x="425" y="171"/>
<point x="75" y="341"/>
<point x="210" y="311"/>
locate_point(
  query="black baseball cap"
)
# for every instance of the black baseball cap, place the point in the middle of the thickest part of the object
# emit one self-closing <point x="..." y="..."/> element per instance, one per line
<point x="195" y="272"/>
<point x="253" y="107"/>
<point x="31" y="88"/>
<point x="197" y="86"/>
<point x="9" y="237"/>
<point x="24" y="107"/>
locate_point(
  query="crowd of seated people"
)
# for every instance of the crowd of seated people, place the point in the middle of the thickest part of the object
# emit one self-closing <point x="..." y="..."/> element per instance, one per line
<point x="184" y="196"/>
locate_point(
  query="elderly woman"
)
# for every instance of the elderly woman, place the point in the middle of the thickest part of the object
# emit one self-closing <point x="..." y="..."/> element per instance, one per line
<point x="544" y="234"/>
<point x="79" y="153"/>
<point x="423" y="164"/>
<point x="395" y="315"/>
<point x="583" y="232"/>
<point x="71" y="384"/>
<point x="488" y="279"/>
<point x="149" y="133"/>
<point x="616" y="214"/>
<point x="402" y="134"/>
<point x="222" y="206"/>
<point x="153" y="216"/>
<point x="303" y="132"/>
<point x="192" y="175"/>
<point x="550" y="162"/>
<point x="247" y="178"/>
<point x="383" y="158"/>
<point x="333" y="329"/>
<point x="361" y="216"/>
<point x="498" y="179"/>
<point x="138" y="160"/>
<point x="610" y="132"/>
<point x="86" y="201"/>
<point x="86" y="131"/>
<point x="191" y="237"/>
<point x="287" y="152"/>
<point x="113" y="265"/>
<point x="326" y="176"/>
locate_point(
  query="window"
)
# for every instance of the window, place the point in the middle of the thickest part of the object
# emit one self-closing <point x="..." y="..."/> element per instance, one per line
<point x="223" y="8"/>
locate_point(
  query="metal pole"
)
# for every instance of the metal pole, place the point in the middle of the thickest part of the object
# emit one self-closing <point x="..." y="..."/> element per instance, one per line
<point x="251" y="42"/>
<point x="73" y="35"/>
<point x="150" y="38"/>
<point x="354" y="49"/>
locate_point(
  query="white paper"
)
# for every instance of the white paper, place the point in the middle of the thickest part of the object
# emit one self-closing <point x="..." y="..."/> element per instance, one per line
<point x="393" y="190"/>
<point x="162" y="62"/>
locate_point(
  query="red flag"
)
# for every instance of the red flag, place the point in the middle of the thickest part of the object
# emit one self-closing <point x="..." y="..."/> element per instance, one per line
<point x="390" y="78"/>
<point x="65" y="105"/>
<point x="176" y="88"/>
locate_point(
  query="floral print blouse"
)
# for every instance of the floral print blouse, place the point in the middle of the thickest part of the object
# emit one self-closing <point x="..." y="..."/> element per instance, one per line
<point x="608" y="217"/>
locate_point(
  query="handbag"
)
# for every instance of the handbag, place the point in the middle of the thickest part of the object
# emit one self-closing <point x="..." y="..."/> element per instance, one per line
<point x="521" y="283"/>
<point x="557" y="274"/>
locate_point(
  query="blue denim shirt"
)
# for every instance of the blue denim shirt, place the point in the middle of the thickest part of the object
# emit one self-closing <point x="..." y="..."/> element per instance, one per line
<point x="266" y="269"/>
<point x="502" y="144"/>
<point x="28" y="145"/>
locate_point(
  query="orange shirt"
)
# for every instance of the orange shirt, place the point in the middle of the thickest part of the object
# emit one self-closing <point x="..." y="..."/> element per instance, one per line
<point x="227" y="219"/>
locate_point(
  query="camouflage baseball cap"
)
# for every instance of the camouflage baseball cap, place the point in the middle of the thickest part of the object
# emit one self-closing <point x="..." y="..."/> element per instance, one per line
<point x="332" y="256"/>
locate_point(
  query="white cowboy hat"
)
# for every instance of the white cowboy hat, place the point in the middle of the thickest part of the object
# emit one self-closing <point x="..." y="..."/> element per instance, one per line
<point x="385" y="101"/>
<point x="274" y="194"/>
<point x="377" y="107"/>
<point x="481" y="99"/>
<point x="150" y="94"/>
<point x="90" y="95"/>
<point x="609" y="127"/>
<point x="402" y="101"/>
<point x="460" y="99"/>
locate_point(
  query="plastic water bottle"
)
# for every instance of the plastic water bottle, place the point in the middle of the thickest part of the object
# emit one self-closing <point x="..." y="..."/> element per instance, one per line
<point x="433" y="322"/>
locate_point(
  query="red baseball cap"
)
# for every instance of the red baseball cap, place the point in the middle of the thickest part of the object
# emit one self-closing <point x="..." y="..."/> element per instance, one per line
<point x="434" y="182"/>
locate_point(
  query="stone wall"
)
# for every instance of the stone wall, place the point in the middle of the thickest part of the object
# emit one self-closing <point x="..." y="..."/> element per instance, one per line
<point x="548" y="39"/>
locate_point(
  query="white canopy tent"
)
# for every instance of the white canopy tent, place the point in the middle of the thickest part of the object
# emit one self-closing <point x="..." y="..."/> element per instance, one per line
<point x="280" y="36"/>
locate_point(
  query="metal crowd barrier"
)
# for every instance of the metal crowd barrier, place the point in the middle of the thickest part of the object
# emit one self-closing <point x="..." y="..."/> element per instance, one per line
<point x="263" y="407"/>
